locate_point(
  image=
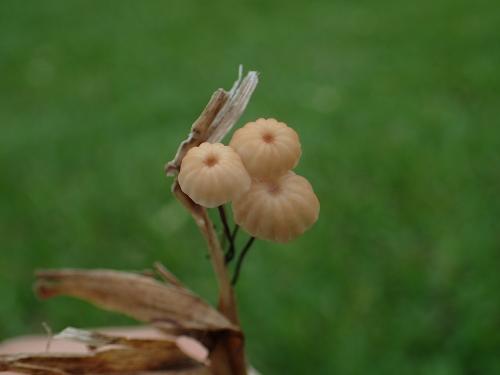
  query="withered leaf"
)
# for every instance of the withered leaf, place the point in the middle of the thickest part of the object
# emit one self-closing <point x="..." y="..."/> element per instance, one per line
<point x="112" y="361"/>
<point x="221" y="113"/>
<point x="141" y="297"/>
<point x="199" y="130"/>
<point x="110" y="355"/>
<point x="191" y="347"/>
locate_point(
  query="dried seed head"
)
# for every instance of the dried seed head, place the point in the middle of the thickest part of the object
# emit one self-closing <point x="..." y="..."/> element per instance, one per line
<point x="268" y="148"/>
<point x="277" y="210"/>
<point x="213" y="174"/>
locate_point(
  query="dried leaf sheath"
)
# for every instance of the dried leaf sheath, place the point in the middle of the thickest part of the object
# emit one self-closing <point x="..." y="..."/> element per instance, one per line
<point x="230" y="113"/>
<point x="199" y="130"/>
<point x="115" y="355"/>
<point x="141" y="297"/>
<point x="113" y="361"/>
<point x="216" y="120"/>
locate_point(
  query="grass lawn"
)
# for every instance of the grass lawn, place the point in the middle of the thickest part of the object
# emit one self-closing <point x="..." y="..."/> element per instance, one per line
<point x="397" y="104"/>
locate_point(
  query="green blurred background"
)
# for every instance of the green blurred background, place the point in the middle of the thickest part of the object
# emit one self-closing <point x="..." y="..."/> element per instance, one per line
<point x="397" y="104"/>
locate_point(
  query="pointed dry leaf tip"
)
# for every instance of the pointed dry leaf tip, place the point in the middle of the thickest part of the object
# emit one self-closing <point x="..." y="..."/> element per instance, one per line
<point x="213" y="174"/>
<point x="277" y="210"/>
<point x="268" y="148"/>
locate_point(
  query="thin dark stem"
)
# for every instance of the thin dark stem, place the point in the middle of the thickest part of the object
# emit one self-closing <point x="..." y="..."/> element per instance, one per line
<point x="232" y="245"/>
<point x="223" y="240"/>
<point x="239" y="263"/>
<point x="230" y="236"/>
<point x="223" y="219"/>
<point x="235" y="232"/>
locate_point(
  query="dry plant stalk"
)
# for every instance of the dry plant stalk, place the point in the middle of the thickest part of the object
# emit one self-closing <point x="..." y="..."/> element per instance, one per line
<point x="192" y="328"/>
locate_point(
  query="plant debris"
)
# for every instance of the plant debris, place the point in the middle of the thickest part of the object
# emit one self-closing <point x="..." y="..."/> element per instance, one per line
<point x="197" y="339"/>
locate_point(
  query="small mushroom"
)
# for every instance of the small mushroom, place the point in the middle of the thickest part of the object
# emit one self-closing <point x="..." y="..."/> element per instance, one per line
<point x="268" y="148"/>
<point x="277" y="210"/>
<point x="213" y="174"/>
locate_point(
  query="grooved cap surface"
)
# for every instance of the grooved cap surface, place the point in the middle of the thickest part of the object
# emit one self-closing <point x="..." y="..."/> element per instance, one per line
<point x="267" y="147"/>
<point x="277" y="210"/>
<point x="212" y="174"/>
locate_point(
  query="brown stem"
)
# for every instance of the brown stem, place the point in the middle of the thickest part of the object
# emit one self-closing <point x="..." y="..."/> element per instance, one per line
<point x="229" y="356"/>
<point x="226" y="300"/>
<point x="200" y="215"/>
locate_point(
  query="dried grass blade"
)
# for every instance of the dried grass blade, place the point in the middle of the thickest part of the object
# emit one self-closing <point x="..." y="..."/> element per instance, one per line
<point x="138" y="296"/>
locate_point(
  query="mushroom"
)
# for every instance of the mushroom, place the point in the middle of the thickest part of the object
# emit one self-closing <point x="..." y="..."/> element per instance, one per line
<point x="268" y="148"/>
<point x="213" y="174"/>
<point x="277" y="210"/>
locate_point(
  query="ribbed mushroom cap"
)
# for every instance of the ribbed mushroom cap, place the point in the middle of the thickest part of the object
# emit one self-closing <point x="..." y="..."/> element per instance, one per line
<point x="268" y="148"/>
<point x="213" y="174"/>
<point x="278" y="210"/>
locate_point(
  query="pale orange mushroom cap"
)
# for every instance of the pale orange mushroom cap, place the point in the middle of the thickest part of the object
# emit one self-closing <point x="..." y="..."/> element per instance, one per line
<point x="278" y="210"/>
<point x="212" y="174"/>
<point x="267" y="147"/>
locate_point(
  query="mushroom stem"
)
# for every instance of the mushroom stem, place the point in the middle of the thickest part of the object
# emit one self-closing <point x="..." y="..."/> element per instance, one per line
<point x="227" y="231"/>
<point x="239" y="263"/>
<point x="231" y="251"/>
<point x="235" y="231"/>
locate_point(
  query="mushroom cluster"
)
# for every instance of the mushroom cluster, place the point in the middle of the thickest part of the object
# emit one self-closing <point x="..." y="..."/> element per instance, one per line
<point x="270" y="201"/>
